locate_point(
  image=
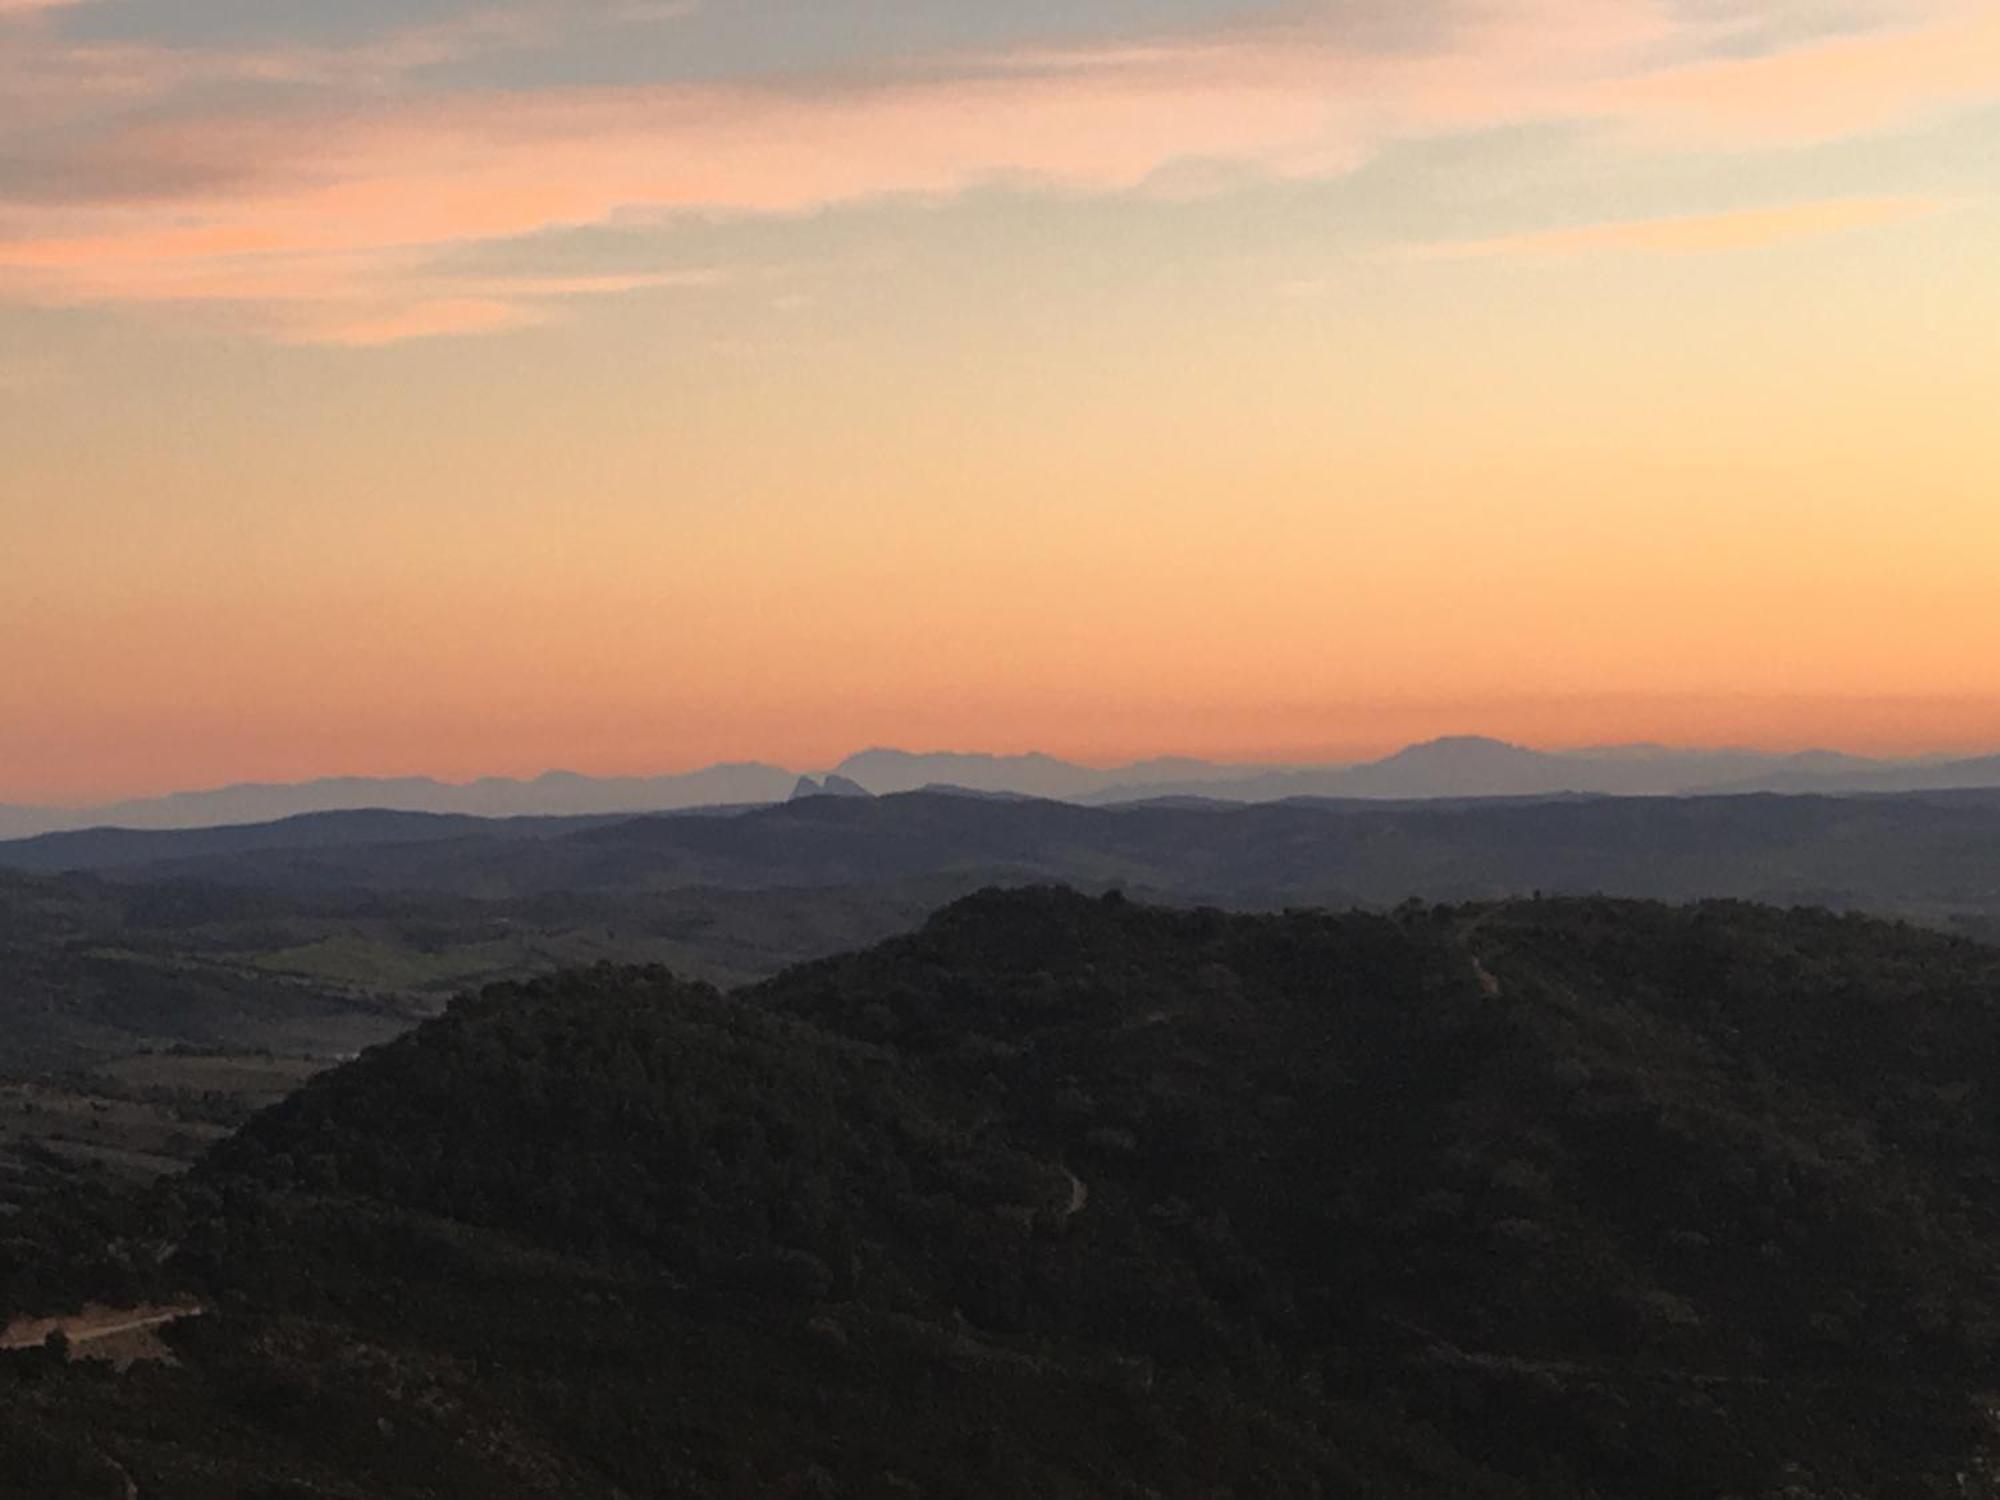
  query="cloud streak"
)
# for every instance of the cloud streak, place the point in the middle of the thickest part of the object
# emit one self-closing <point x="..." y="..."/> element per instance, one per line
<point x="1690" y="234"/>
<point x="335" y="186"/>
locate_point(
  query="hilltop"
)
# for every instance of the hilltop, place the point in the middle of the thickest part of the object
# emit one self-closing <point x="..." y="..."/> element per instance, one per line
<point x="1080" y="1197"/>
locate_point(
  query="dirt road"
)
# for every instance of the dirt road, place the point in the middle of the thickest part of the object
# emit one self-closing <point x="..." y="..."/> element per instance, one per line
<point x="122" y="1335"/>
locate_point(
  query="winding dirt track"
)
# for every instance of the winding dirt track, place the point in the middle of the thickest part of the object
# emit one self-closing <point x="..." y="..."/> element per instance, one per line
<point x="1079" y="1195"/>
<point x="1489" y="982"/>
<point x="95" y="1325"/>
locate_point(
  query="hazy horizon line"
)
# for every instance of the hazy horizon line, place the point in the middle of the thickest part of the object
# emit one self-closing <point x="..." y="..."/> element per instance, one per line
<point x="1254" y="763"/>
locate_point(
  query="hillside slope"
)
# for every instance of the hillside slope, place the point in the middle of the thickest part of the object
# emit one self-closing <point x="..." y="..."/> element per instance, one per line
<point x="1077" y="1197"/>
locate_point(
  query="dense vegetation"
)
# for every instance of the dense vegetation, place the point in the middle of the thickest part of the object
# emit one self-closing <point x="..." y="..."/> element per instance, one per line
<point x="1075" y="1196"/>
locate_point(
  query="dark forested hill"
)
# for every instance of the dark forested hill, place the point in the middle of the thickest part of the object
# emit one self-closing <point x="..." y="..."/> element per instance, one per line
<point x="1073" y="1196"/>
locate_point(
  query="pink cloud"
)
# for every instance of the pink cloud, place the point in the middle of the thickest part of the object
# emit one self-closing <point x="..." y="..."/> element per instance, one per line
<point x="304" y="204"/>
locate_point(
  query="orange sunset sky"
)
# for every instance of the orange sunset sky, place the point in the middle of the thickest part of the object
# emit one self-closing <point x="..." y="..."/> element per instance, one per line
<point x="468" y="387"/>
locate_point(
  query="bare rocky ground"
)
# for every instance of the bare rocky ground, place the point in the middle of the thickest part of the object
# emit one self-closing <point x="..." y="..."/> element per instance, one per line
<point x="119" y="1336"/>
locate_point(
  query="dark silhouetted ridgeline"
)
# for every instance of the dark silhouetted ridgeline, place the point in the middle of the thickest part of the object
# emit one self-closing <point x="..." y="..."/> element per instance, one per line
<point x="1936" y="855"/>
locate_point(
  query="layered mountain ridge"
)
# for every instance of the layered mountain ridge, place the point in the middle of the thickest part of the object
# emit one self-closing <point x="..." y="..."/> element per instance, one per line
<point x="1463" y="766"/>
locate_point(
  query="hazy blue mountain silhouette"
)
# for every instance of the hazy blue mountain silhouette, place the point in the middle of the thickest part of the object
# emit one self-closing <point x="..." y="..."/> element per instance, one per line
<point x="554" y="794"/>
<point x="1811" y="776"/>
<point x="1456" y="767"/>
<point x="1475" y="766"/>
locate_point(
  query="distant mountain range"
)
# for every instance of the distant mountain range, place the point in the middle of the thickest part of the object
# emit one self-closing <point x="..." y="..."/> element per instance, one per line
<point x="1466" y="766"/>
<point x="555" y="794"/>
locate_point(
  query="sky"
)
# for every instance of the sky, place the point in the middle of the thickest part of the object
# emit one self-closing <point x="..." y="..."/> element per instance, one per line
<point x="464" y="388"/>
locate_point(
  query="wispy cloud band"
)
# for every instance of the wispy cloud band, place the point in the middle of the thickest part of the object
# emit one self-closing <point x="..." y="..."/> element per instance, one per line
<point x="306" y="187"/>
<point x="1690" y="234"/>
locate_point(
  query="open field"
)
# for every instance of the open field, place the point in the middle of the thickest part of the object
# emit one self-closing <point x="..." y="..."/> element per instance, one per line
<point x="138" y="1118"/>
